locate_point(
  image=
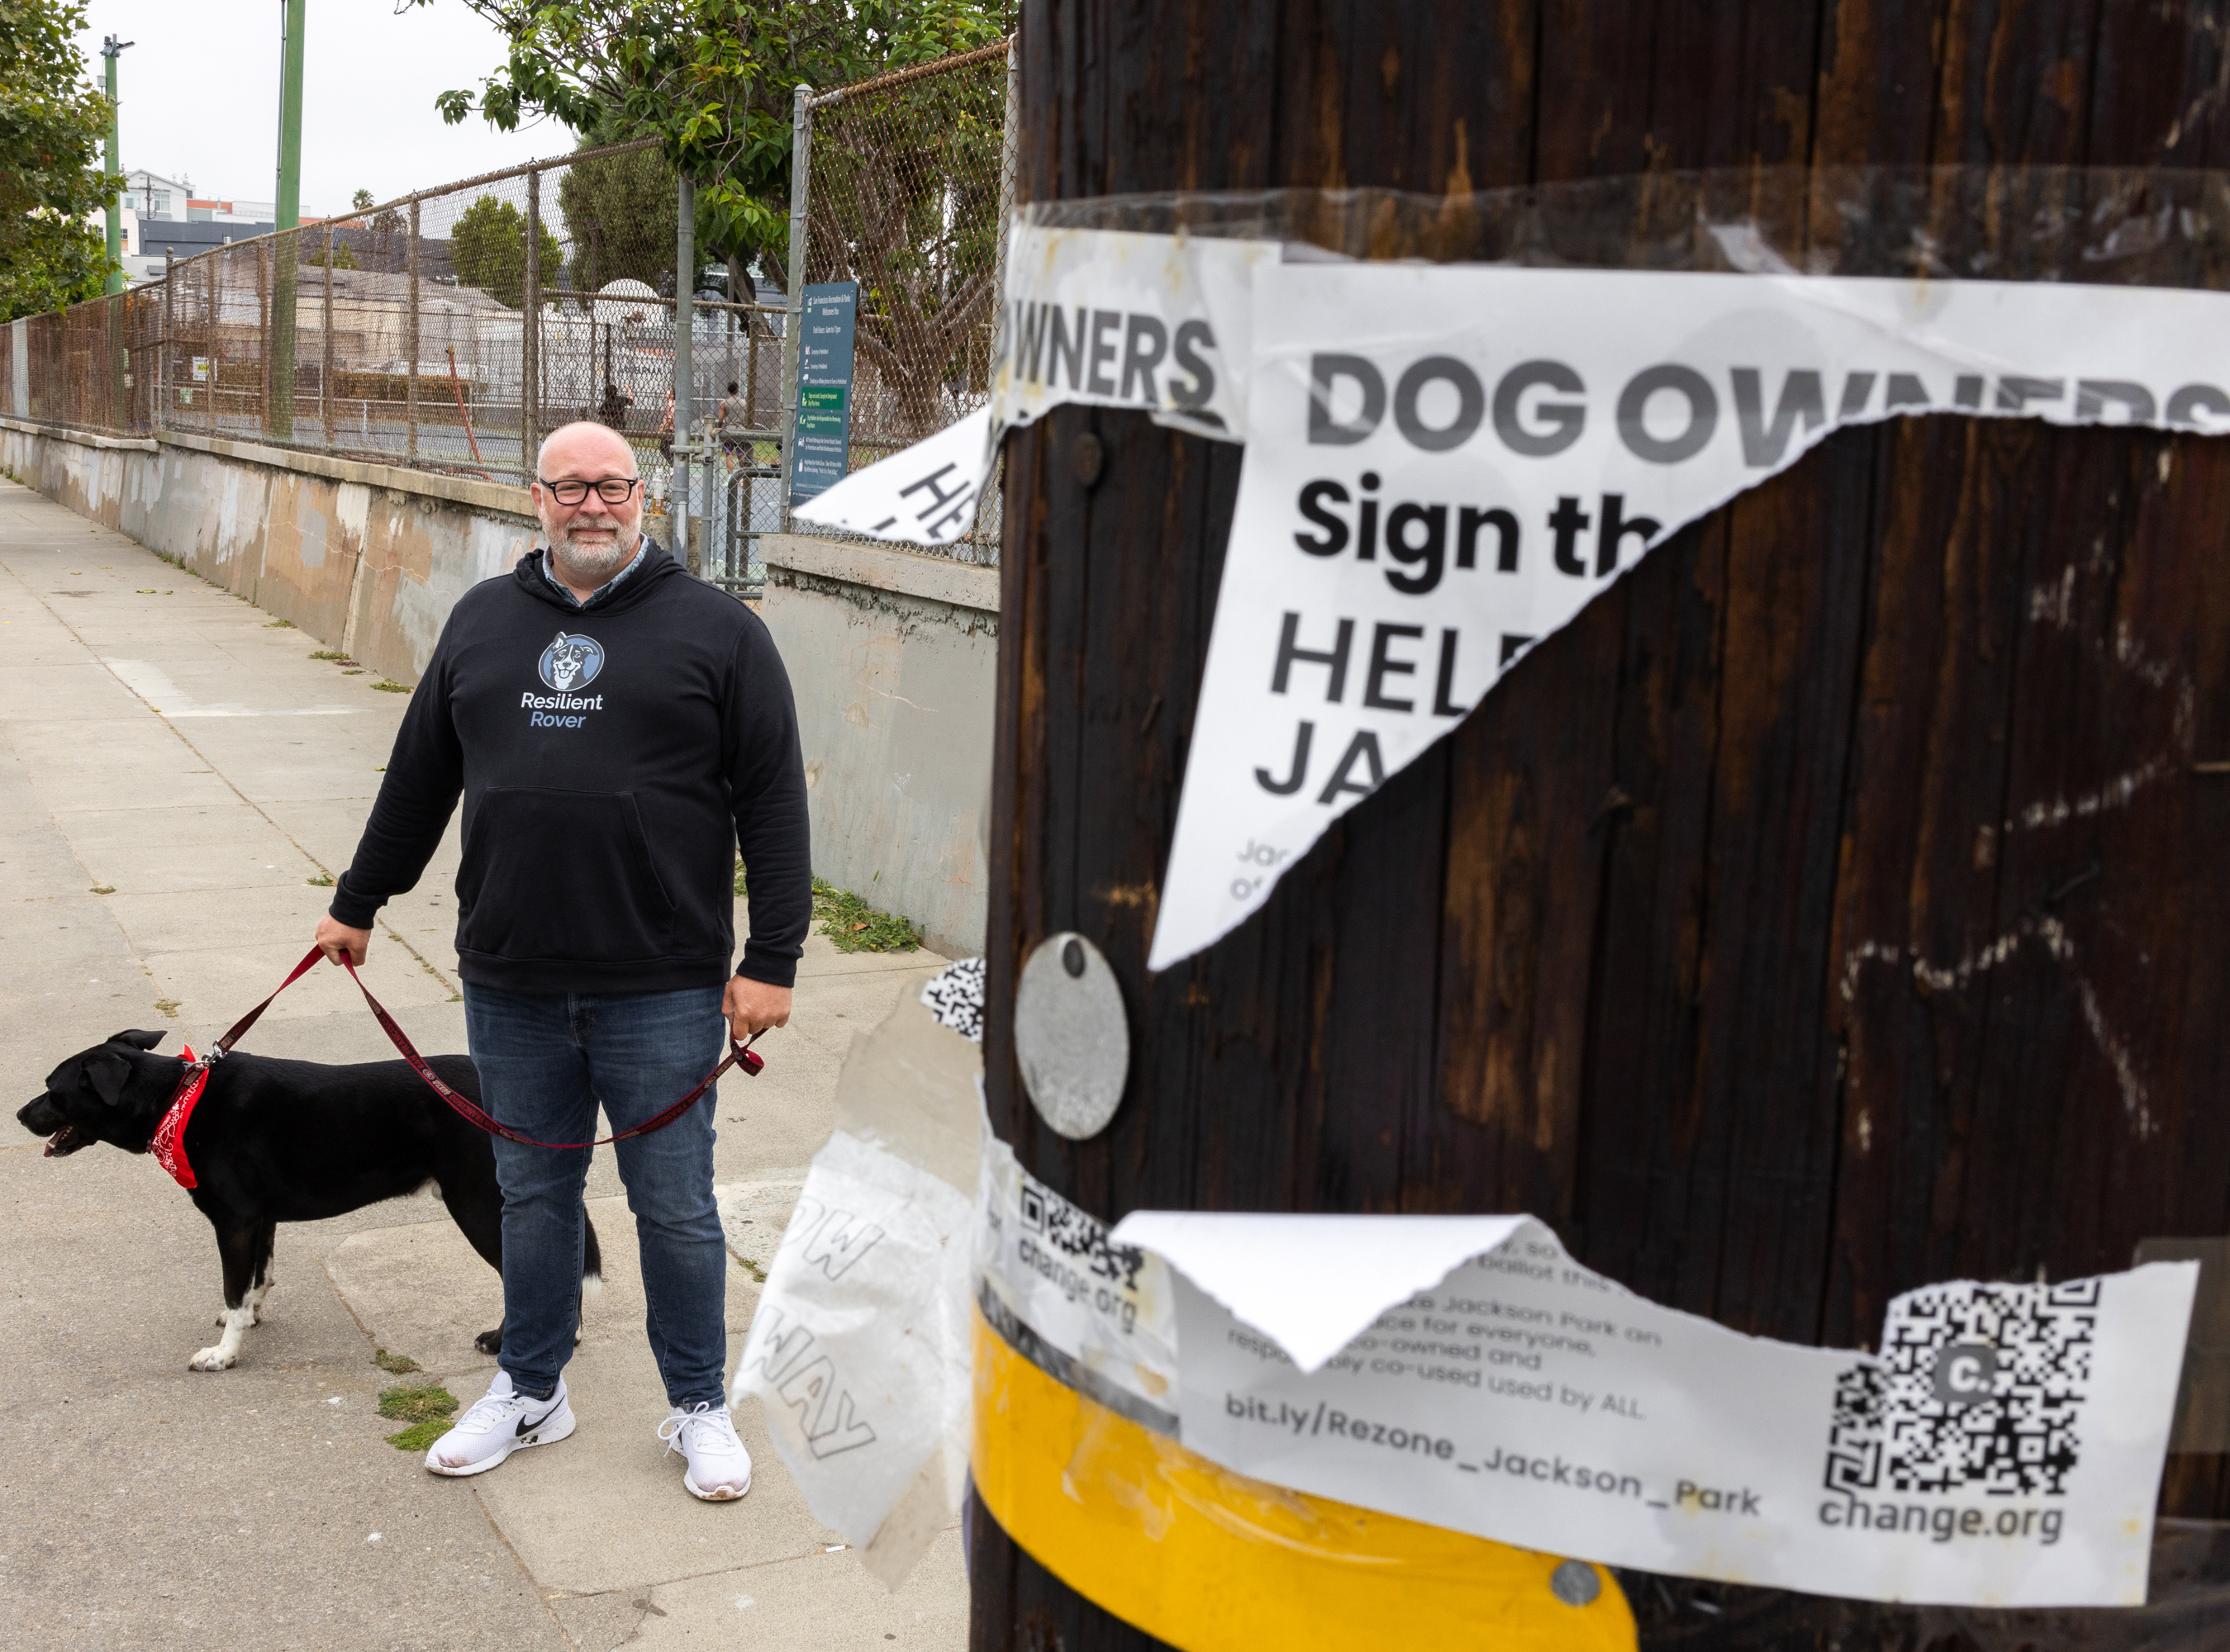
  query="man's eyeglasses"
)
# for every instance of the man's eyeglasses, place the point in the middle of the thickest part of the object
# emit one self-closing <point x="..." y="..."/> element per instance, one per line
<point x="612" y="490"/>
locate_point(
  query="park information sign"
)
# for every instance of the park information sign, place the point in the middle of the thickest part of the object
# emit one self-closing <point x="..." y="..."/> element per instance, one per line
<point x="823" y="450"/>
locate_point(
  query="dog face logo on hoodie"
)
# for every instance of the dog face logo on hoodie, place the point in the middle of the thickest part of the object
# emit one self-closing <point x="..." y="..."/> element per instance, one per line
<point x="572" y="663"/>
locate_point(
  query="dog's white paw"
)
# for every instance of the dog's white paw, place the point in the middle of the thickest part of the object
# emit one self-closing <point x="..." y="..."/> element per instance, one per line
<point x="212" y="1359"/>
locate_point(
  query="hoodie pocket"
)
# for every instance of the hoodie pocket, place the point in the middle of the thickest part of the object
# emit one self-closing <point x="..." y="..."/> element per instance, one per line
<point x="563" y="876"/>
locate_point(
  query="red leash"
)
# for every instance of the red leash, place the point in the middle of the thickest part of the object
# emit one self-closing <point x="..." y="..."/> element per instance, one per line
<point x="169" y="1144"/>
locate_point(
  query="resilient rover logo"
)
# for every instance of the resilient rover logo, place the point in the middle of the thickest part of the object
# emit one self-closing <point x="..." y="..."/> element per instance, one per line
<point x="571" y="662"/>
<point x="568" y="664"/>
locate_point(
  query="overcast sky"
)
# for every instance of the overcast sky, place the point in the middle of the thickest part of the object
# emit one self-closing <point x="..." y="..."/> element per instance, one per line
<point x="199" y="92"/>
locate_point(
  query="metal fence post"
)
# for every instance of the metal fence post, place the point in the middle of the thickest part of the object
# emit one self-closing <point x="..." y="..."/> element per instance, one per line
<point x="286" y="314"/>
<point x="685" y="287"/>
<point x="801" y="183"/>
<point x="410" y="340"/>
<point x="530" y="331"/>
<point x="262" y="337"/>
<point x="163" y="393"/>
<point x="325" y="352"/>
<point x="1009" y="132"/>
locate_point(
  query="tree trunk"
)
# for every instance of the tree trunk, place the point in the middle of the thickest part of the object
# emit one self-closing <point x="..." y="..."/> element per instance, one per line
<point x="1831" y="909"/>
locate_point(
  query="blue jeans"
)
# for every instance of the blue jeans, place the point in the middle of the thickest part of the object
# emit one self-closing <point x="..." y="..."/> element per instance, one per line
<point x="545" y="1060"/>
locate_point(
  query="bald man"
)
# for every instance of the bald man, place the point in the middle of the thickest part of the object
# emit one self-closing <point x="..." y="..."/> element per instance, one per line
<point x="616" y="728"/>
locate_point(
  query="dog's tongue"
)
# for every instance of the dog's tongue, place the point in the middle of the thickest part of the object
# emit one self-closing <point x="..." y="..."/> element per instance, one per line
<point x="56" y="1142"/>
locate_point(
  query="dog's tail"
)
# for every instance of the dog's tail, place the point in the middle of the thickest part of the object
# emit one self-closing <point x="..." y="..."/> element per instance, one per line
<point x="592" y="1262"/>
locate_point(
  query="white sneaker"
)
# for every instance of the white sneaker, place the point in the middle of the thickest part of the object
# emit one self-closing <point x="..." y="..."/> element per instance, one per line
<point x="501" y="1421"/>
<point x="719" y="1470"/>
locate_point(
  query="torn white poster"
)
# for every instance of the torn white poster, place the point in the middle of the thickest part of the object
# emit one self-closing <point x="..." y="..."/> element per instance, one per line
<point x="2003" y="1448"/>
<point x="1110" y="318"/>
<point x="860" y="1345"/>
<point x="925" y="495"/>
<point x="1097" y="1315"/>
<point x="1116" y="320"/>
<point x="1446" y="463"/>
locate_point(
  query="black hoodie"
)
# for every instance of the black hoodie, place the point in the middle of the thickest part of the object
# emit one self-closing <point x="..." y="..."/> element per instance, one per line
<point x="611" y="759"/>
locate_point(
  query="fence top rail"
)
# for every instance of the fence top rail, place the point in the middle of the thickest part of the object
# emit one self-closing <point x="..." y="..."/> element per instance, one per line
<point x="363" y="214"/>
<point x="663" y="304"/>
<point x="900" y="77"/>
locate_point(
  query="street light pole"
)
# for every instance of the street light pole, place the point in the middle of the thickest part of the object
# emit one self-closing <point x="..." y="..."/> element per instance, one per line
<point x="111" y="49"/>
<point x="280" y="402"/>
<point x="685" y="376"/>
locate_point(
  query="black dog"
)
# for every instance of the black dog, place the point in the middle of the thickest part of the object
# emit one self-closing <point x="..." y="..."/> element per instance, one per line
<point x="275" y="1141"/>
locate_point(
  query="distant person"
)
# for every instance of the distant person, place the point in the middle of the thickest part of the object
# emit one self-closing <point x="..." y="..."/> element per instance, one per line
<point x="613" y="410"/>
<point x="665" y="431"/>
<point x="731" y="412"/>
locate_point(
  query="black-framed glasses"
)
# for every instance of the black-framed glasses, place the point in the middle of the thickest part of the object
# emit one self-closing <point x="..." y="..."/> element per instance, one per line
<point x="612" y="490"/>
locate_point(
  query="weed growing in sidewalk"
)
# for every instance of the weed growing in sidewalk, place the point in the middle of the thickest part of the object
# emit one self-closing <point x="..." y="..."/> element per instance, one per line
<point x="427" y="1410"/>
<point x="401" y="1364"/>
<point x="279" y="625"/>
<point x="323" y="880"/>
<point x="391" y="688"/>
<point x="856" y="926"/>
<point x="329" y="653"/>
<point x="169" y="1006"/>
<point x="850" y="921"/>
<point x="104" y="889"/>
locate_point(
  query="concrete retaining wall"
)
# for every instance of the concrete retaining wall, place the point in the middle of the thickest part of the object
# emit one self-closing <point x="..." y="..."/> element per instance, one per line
<point x="365" y="558"/>
<point x="892" y="657"/>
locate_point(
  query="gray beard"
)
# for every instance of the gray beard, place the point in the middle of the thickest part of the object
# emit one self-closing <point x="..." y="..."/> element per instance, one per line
<point x="593" y="564"/>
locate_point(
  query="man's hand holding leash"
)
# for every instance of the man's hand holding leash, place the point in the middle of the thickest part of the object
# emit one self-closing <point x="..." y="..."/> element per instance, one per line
<point x="752" y="1006"/>
<point x="336" y="940"/>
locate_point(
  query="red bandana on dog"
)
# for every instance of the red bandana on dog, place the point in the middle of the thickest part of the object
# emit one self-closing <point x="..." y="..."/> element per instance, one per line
<point x="169" y="1144"/>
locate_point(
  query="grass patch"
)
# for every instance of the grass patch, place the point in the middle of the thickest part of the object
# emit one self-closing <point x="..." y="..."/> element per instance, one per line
<point x="426" y="1411"/>
<point x="856" y="926"/>
<point x="417" y="1403"/>
<point x="279" y="625"/>
<point x="385" y="687"/>
<point x="401" y="1364"/>
<point x="169" y="1006"/>
<point x="323" y="880"/>
<point x="329" y="653"/>
<point x="419" y="1437"/>
<point x="104" y="889"/>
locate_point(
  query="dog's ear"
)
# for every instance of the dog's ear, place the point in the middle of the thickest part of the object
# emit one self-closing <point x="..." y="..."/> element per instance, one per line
<point x="138" y="1040"/>
<point x="108" y="1074"/>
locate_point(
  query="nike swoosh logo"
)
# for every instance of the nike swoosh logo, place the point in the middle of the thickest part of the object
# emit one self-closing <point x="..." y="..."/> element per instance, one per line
<point x="526" y="1428"/>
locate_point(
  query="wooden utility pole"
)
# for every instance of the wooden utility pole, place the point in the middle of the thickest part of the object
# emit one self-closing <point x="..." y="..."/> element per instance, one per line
<point x="1834" y="908"/>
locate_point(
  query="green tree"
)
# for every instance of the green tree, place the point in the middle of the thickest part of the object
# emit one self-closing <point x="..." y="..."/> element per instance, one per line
<point x="488" y="248"/>
<point x="619" y="210"/>
<point x="712" y="79"/>
<point x="51" y="127"/>
<point x="343" y="258"/>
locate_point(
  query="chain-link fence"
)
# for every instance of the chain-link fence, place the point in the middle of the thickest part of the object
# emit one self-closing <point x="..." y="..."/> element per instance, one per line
<point x="902" y="185"/>
<point x="91" y="367"/>
<point x="452" y="329"/>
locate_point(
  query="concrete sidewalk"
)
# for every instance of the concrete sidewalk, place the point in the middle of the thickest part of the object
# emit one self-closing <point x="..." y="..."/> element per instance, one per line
<point x="176" y="775"/>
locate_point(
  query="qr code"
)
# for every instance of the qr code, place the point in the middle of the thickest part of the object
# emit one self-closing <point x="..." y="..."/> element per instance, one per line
<point x="1078" y="1236"/>
<point x="1977" y="1388"/>
<point x="955" y="997"/>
